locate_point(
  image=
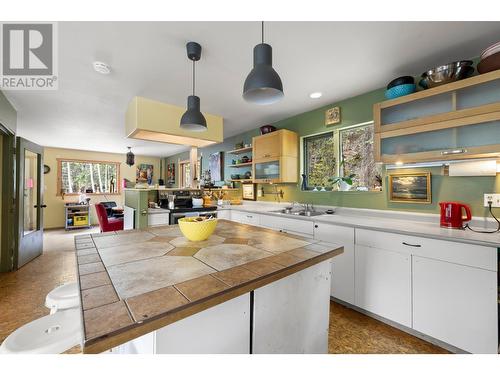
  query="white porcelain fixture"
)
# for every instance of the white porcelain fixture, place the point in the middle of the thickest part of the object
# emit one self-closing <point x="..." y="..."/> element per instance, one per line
<point x="63" y="297"/>
<point x="51" y="334"/>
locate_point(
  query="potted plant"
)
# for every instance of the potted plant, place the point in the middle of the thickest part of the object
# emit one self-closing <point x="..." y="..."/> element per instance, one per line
<point x="344" y="182"/>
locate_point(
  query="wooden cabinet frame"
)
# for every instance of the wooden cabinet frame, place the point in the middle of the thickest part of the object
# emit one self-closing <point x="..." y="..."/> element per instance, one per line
<point x="452" y="119"/>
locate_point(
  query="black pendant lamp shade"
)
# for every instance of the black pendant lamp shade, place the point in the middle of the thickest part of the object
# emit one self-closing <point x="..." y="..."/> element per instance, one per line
<point x="130" y="158"/>
<point x="193" y="120"/>
<point x="263" y="84"/>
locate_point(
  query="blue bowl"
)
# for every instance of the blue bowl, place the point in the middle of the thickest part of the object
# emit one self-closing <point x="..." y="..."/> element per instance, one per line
<point x="400" y="90"/>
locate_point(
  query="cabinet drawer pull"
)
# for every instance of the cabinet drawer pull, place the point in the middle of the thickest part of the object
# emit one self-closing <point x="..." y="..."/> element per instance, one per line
<point x="454" y="152"/>
<point x="315" y="225"/>
<point x="412" y="245"/>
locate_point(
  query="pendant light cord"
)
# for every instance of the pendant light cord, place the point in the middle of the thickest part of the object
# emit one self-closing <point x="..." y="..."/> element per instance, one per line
<point x="262" y="32"/>
<point x="193" y="76"/>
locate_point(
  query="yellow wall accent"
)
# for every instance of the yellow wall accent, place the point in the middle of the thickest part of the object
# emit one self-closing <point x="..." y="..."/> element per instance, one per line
<point x="54" y="213"/>
<point x="152" y="120"/>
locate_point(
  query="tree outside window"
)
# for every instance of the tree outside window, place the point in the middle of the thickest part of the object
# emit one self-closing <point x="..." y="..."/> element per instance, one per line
<point x="319" y="159"/>
<point x="341" y="153"/>
<point x="79" y="176"/>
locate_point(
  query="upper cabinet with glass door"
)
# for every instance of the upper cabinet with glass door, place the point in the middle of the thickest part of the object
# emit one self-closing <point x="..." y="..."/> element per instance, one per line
<point x="460" y="120"/>
<point x="275" y="157"/>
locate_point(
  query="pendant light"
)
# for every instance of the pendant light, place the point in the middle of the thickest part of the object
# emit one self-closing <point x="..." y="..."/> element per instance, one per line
<point x="193" y="119"/>
<point x="263" y="85"/>
<point x="130" y="157"/>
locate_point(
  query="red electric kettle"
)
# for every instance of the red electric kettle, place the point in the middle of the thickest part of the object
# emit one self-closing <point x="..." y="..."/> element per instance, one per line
<point x="452" y="215"/>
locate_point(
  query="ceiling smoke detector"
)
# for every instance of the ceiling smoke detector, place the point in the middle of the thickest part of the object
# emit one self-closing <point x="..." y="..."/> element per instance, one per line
<point x="101" y="67"/>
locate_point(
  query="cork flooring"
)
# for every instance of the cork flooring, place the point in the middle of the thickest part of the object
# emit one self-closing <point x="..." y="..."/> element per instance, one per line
<point x="22" y="295"/>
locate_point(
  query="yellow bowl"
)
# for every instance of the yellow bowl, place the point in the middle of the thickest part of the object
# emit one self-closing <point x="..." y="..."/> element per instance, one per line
<point x="195" y="230"/>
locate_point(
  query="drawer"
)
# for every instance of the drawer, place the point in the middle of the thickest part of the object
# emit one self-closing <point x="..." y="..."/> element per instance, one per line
<point x="449" y="251"/>
<point x="158" y="219"/>
<point x="286" y="224"/>
<point x="333" y="233"/>
<point x="245" y="217"/>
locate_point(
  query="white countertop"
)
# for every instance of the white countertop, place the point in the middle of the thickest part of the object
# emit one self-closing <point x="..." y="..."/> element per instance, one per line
<point x="416" y="224"/>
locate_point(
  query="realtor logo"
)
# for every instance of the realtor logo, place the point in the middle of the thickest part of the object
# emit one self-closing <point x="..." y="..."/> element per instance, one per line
<point x="28" y="56"/>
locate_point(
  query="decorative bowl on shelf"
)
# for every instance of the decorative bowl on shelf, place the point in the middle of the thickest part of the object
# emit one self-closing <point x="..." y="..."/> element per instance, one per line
<point x="401" y="81"/>
<point x="400" y="90"/>
<point x="197" y="228"/>
<point x="447" y="73"/>
<point x="267" y="129"/>
<point x="489" y="63"/>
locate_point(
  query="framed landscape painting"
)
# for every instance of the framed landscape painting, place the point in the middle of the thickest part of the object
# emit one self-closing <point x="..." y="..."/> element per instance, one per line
<point x="410" y="188"/>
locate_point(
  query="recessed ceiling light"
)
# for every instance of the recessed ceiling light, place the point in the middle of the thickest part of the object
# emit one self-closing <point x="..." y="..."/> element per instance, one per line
<point x="315" y="95"/>
<point x="101" y="67"/>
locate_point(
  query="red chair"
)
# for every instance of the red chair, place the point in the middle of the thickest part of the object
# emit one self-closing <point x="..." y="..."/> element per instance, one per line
<point x="107" y="224"/>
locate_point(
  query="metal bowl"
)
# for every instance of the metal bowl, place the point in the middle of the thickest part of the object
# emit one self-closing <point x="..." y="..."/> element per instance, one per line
<point x="451" y="72"/>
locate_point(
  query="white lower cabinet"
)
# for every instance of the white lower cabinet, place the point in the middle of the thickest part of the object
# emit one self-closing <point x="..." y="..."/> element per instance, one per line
<point x="291" y="315"/>
<point x="245" y="217"/>
<point x="342" y="265"/>
<point x="456" y="304"/>
<point x="288" y="225"/>
<point x="224" y="214"/>
<point x="383" y="283"/>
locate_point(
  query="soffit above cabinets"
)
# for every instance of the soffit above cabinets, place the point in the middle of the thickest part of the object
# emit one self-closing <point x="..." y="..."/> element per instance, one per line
<point x="151" y="120"/>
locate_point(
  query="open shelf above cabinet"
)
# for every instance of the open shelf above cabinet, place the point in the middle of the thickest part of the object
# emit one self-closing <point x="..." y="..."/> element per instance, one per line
<point x="459" y="120"/>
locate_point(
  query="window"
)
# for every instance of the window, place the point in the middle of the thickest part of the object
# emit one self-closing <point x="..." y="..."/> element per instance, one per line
<point x="80" y="176"/>
<point x="185" y="173"/>
<point x="356" y="153"/>
<point x="341" y="153"/>
<point x="319" y="159"/>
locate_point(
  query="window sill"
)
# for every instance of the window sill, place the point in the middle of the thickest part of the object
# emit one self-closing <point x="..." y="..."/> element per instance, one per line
<point x="90" y="194"/>
<point x="340" y="191"/>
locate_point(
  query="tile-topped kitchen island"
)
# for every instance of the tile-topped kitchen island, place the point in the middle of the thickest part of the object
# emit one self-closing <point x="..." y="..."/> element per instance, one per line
<point x="245" y="289"/>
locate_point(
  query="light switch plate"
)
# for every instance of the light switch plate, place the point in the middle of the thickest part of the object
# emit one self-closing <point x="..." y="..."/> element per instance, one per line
<point x="495" y="198"/>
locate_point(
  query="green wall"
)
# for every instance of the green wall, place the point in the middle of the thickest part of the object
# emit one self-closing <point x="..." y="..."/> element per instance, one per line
<point x="353" y="111"/>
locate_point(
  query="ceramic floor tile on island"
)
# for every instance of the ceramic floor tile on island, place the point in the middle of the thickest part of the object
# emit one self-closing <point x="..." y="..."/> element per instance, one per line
<point x="134" y="278"/>
<point x="122" y="239"/>
<point x="132" y="252"/>
<point x="98" y="296"/>
<point x="159" y="301"/>
<point x="225" y="256"/>
<point x="201" y="287"/>
<point x="94" y="279"/>
<point x="263" y="267"/>
<point x="88" y="268"/>
<point x="285" y="259"/>
<point x="235" y="276"/>
<point x="105" y="319"/>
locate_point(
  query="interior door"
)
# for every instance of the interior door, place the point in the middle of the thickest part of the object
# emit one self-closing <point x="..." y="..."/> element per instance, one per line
<point x="29" y="190"/>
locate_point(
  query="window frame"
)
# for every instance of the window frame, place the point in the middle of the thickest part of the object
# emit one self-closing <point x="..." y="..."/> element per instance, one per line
<point x="59" y="175"/>
<point x="336" y="145"/>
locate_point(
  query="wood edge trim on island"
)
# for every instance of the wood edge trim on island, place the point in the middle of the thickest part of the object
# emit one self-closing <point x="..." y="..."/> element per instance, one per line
<point x="135" y="330"/>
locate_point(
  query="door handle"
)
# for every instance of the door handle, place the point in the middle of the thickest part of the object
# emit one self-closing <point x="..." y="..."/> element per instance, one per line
<point x="315" y="225"/>
<point x="41" y="206"/>
<point x="144" y="212"/>
<point x="412" y="245"/>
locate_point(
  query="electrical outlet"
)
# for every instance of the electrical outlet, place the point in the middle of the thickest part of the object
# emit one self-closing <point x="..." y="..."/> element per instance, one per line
<point x="494" y="198"/>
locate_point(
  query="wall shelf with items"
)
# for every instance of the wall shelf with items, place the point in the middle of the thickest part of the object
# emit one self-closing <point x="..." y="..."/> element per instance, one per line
<point x="459" y="120"/>
<point x="240" y="150"/>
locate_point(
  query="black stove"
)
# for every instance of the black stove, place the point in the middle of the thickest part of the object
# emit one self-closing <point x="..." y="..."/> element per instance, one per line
<point x="193" y="209"/>
<point x="184" y="205"/>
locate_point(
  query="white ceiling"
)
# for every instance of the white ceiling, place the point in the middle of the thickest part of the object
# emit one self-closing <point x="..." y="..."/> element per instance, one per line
<point x="340" y="59"/>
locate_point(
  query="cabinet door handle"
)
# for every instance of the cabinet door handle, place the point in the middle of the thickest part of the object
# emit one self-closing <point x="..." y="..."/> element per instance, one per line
<point x="412" y="245"/>
<point x="144" y="212"/>
<point x="315" y="225"/>
<point x="267" y="155"/>
<point x="453" y="152"/>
